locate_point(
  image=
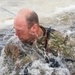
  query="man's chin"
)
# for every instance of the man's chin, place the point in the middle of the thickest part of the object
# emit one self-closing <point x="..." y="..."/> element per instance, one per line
<point x="21" y="39"/>
<point x="26" y="40"/>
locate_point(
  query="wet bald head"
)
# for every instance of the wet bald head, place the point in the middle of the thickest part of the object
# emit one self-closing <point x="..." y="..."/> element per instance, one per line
<point x="30" y="16"/>
<point x="26" y="26"/>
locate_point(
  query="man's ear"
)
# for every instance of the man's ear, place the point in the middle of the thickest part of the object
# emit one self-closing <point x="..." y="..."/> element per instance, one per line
<point x="34" y="28"/>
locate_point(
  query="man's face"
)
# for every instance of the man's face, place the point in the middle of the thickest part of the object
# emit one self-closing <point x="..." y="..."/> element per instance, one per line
<point x="22" y="30"/>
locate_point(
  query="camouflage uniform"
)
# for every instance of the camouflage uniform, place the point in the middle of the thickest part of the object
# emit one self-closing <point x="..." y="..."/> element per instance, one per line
<point x="18" y="54"/>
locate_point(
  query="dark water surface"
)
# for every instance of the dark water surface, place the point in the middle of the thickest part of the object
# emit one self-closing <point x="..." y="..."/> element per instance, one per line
<point x="5" y="34"/>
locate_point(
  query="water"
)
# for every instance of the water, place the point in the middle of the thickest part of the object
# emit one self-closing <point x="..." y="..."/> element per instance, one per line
<point x="60" y="15"/>
<point x="6" y="31"/>
<point x="40" y="67"/>
<point x="44" y="8"/>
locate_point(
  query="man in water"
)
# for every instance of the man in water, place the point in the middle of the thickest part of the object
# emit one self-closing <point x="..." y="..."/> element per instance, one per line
<point x="31" y="42"/>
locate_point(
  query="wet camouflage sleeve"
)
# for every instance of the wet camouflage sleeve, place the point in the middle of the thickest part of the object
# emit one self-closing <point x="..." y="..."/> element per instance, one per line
<point x="15" y="57"/>
<point x="61" y="43"/>
<point x="58" y="42"/>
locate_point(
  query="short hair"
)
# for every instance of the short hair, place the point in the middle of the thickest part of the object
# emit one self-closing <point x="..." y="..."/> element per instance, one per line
<point x="32" y="18"/>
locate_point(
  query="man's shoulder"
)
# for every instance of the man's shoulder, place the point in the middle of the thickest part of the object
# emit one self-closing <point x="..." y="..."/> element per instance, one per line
<point x="11" y="45"/>
<point x="55" y="34"/>
<point x="12" y="42"/>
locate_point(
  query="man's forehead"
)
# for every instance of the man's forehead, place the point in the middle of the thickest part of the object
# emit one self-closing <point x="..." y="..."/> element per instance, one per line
<point x="20" y="20"/>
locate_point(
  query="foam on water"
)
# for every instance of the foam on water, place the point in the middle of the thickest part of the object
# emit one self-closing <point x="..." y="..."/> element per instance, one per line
<point x="40" y="67"/>
<point x="61" y="19"/>
<point x="60" y="10"/>
<point x="6" y="23"/>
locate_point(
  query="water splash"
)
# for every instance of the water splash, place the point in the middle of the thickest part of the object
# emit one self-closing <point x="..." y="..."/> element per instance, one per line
<point x="40" y="67"/>
<point x="62" y="20"/>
